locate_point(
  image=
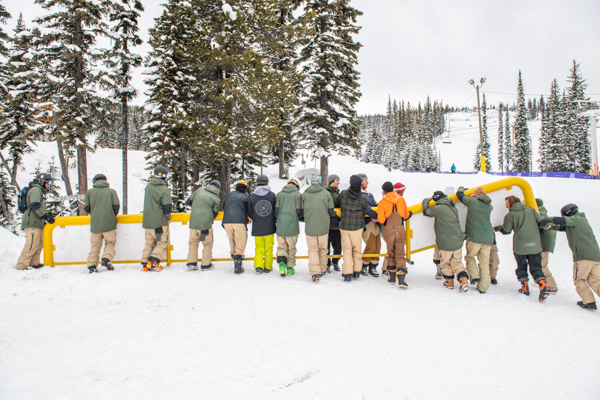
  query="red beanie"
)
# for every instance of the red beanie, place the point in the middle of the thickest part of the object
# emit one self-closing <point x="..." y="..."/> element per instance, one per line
<point x="399" y="188"/>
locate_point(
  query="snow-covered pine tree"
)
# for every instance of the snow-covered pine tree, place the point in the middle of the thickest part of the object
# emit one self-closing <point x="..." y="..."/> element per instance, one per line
<point x="521" y="159"/>
<point x="68" y="52"/>
<point x="328" y="59"/>
<point x="553" y="154"/>
<point x="577" y="125"/>
<point x="125" y="37"/>
<point x="500" y="138"/>
<point x="484" y="139"/>
<point x="508" y="140"/>
<point x="4" y="17"/>
<point x="7" y="203"/>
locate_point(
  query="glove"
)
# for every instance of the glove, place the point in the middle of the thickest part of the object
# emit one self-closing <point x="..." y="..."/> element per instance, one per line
<point x="335" y="219"/>
<point x="301" y="219"/>
<point x="497" y="228"/>
<point x="48" y="218"/>
<point x="158" y="230"/>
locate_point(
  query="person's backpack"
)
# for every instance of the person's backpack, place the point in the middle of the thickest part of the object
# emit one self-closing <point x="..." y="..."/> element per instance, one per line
<point x="22" y="199"/>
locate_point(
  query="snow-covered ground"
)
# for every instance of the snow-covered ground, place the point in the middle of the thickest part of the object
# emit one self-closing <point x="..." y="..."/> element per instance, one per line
<point x="65" y="334"/>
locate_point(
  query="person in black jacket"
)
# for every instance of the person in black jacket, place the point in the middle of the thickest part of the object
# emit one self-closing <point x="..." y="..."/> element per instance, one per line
<point x="235" y="221"/>
<point x="261" y="209"/>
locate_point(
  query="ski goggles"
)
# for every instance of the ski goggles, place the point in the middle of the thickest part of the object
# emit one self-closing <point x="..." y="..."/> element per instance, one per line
<point x="49" y="182"/>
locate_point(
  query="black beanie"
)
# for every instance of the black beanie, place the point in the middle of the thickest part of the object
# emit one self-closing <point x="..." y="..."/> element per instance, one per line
<point x="438" y="195"/>
<point x="388" y="187"/>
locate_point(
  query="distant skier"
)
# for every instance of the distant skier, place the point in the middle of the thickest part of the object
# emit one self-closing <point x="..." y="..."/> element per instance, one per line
<point x="156" y="216"/>
<point x="261" y="208"/>
<point x="102" y="203"/>
<point x="235" y="222"/>
<point x="453" y="169"/>
<point x="288" y="210"/>
<point x="334" y="239"/>
<point x="527" y="246"/>
<point x="303" y="162"/>
<point x="318" y="209"/>
<point x="586" y="253"/>
<point x="548" y="238"/>
<point x="449" y="238"/>
<point x="33" y="221"/>
<point x="205" y="205"/>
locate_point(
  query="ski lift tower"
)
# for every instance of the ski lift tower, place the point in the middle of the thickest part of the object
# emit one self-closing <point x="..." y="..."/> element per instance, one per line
<point x="591" y="109"/>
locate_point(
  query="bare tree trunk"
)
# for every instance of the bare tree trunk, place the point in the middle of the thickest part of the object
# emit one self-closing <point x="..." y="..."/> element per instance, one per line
<point x="125" y="145"/>
<point x="324" y="163"/>
<point x="5" y="210"/>
<point x="282" y="160"/>
<point x="81" y="150"/>
<point x="195" y="175"/>
<point x="13" y="179"/>
<point x="225" y="178"/>
<point x="64" y="167"/>
<point x="82" y="175"/>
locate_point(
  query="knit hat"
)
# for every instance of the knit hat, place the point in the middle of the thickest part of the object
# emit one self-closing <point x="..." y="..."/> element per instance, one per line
<point x="388" y="187"/>
<point x="363" y="176"/>
<point x="539" y="202"/>
<point x="316" y="180"/>
<point x="332" y="178"/>
<point x="399" y="188"/>
<point x="216" y="183"/>
<point x="294" y="181"/>
<point x="262" y="180"/>
<point x="438" y="195"/>
<point x="241" y="186"/>
<point x="478" y="191"/>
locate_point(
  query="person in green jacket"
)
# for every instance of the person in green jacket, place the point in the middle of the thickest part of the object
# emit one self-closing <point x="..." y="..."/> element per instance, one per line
<point x="205" y="205"/>
<point x="155" y="220"/>
<point x="527" y="246"/>
<point x="33" y="222"/>
<point x="102" y="203"/>
<point x="449" y="238"/>
<point x="288" y="211"/>
<point x="334" y="239"/>
<point x="480" y="236"/>
<point x="548" y="238"/>
<point x="318" y="209"/>
<point x="586" y="253"/>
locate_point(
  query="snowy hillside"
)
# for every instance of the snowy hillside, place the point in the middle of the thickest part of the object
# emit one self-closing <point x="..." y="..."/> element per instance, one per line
<point x="186" y="335"/>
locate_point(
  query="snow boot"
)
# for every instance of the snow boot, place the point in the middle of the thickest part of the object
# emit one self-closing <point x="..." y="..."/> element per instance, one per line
<point x="494" y="281"/>
<point x="289" y="271"/>
<point x="237" y="265"/>
<point x="356" y="275"/>
<point x="365" y="269"/>
<point x="267" y="270"/>
<point x="552" y="291"/>
<point x="153" y="264"/>
<point x="402" y="280"/>
<point x="449" y="283"/>
<point x="543" y="290"/>
<point x="392" y="277"/>
<point x="207" y="267"/>
<point x="438" y="274"/>
<point x="193" y="266"/>
<point x="259" y="270"/>
<point x="474" y="282"/>
<point x="385" y="273"/>
<point x="373" y="271"/>
<point x="328" y="269"/>
<point x="316" y="278"/>
<point x="336" y="267"/>
<point x="348" y="278"/>
<point x="107" y="264"/>
<point x="93" y="269"/>
<point x="464" y="284"/>
<point x="37" y="266"/>
<point x="524" y="288"/>
<point x="282" y="269"/>
<point x="588" y="306"/>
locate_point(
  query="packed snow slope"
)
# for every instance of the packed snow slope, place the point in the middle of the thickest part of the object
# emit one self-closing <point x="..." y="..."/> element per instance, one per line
<point x="179" y="334"/>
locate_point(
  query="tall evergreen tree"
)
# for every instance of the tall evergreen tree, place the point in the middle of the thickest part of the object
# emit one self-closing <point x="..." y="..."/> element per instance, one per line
<point x="577" y="134"/>
<point x="554" y="155"/>
<point x="4" y="17"/>
<point x="484" y="139"/>
<point x="508" y="140"/>
<point x="500" y="139"/>
<point x="521" y="159"/>
<point x="331" y="88"/>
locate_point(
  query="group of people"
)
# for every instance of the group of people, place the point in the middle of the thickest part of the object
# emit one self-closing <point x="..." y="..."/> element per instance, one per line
<point x="534" y="233"/>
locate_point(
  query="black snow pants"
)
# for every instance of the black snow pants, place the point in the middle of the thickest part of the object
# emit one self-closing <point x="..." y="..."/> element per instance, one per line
<point x="535" y="267"/>
<point x="334" y="241"/>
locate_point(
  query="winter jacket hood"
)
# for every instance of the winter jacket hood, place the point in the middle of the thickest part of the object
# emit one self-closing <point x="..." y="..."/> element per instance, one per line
<point x="102" y="203"/>
<point x="318" y="208"/>
<point x="355" y="184"/>
<point x="262" y="190"/>
<point x="478" y="227"/>
<point x="288" y="205"/>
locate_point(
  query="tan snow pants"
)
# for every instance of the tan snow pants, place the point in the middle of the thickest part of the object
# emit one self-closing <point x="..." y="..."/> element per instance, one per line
<point x="481" y="271"/>
<point x="30" y="255"/>
<point x="586" y="276"/>
<point x="550" y="281"/>
<point x="451" y="262"/>
<point x="317" y="254"/>
<point x="286" y="247"/>
<point x="110" y="239"/>
<point x="494" y="261"/>
<point x="351" y="254"/>
<point x="194" y="244"/>
<point x="155" y="248"/>
<point x="238" y="237"/>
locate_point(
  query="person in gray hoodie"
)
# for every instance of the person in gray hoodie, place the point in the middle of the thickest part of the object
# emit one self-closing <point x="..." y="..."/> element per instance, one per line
<point x="261" y="209"/>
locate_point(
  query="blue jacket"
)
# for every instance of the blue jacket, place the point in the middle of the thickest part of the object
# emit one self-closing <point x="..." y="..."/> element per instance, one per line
<point x="370" y="203"/>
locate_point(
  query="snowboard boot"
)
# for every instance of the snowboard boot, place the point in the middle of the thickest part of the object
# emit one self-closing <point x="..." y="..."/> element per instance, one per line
<point x="552" y="291"/>
<point x="37" y="266"/>
<point x="356" y="275"/>
<point x="474" y="282"/>
<point x="207" y="267"/>
<point x="588" y="306"/>
<point x="336" y="267"/>
<point x="237" y="265"/>
<point x="348" y="278"/>
<point x="392" y="277"/>
<point x="107" y="264"/>
<point x="281" y="261"/>
<point x="193" y="266"/>
<point x="524" y="288"/>
<point x="373" y="271"/>
<point x="267" y="270"/>
<point x="259" y="270"/>
<point x="153" y="264"/>
<point x="365" y="269"/>
<point x="92" y="269"/>
<point x="289" y="271"/>
<point x="543" y="290"/>
<point x="494" y="281"/>
<point x="464" y="284"/>
<point x="316" y="278"/>
<point x="438" y="274"/>
<point x="402" y="280"/>
<point x="449" y="283"/>
<point x="328" y="269"/>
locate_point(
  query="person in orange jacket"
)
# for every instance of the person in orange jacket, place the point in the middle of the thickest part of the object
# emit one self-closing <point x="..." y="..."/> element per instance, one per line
<point x="392" y="212"/>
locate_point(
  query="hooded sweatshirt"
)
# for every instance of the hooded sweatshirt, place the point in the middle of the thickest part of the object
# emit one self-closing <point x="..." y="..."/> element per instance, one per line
<point x="478" y="227"/>
<point x="261" y="209"/>
<point x="448" y="234"/>
<point x="102" y="203"/>
<point x="318" y="208"/>
<point x="288" y="208"/>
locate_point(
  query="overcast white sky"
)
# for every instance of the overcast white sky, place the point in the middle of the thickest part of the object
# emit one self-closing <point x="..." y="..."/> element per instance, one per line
<point x="415" y="48"/>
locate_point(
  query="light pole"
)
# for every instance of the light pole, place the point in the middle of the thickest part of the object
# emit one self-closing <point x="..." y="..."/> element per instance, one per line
<point x="472" y="82"/>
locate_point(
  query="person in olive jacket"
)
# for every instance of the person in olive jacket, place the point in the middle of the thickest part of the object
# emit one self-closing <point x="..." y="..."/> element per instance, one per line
<point x="548" y="238"/>
<point x="261" y="209"/>
<point x="288" y="210"/>
<point x="102" y="203"/>
<point x="526" y="222"/>
<point x="33" y="222"/>
<point x="156" y="216"/>
<point x="205" y="205"/>
<point x="480" y="236"/>
<point x="586" y="253"/>
<point x="318" y="209"/>
<point x="449" y="238"/>
<point x="334" y="239"/>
